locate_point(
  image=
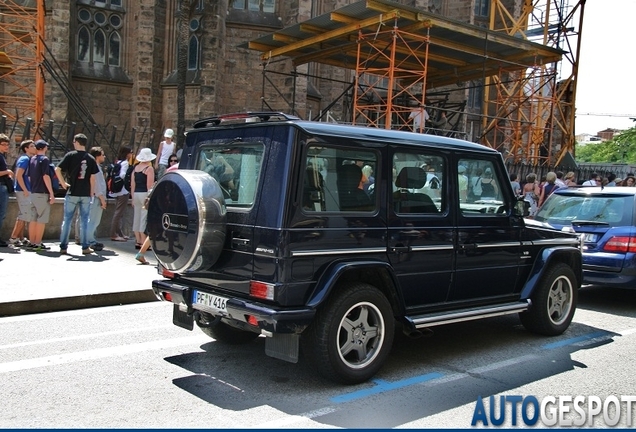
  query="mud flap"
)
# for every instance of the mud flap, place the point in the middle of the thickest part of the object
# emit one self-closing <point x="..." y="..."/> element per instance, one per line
<point x="283" y="347"/>
<point x="181" y="318"/>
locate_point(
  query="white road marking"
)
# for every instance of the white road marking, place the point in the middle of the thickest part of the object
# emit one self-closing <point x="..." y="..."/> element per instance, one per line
<point x="100" y="353"/>
<point x="85" y="336"/>
<point x="286" y="421"/>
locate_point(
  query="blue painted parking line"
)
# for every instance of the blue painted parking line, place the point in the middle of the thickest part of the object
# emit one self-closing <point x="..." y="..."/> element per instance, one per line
<point x="382" y="386"/>
<point x="575" y="340"/>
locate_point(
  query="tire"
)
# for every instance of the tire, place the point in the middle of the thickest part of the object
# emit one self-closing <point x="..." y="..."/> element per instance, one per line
<point x="351" y="335"/>
<point x="225" y="334"/>
<point x="186" y="220"/>
<point x="553" y="302"/>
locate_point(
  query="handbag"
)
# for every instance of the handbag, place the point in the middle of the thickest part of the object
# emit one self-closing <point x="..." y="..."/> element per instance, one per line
<point x="8" y="181"/>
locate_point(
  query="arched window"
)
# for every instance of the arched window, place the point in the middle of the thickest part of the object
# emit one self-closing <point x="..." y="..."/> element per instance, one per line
<point x="113" y="49"/>
<point x="193" y="53"/>
<point x="99" y="47"/>
<point x="83" y="43"/>
<point x="99" y="37"/>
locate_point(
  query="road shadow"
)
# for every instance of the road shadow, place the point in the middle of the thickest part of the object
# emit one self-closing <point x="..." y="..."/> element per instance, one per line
<point x="466" y="360"/>
<point x="608" y="300"/>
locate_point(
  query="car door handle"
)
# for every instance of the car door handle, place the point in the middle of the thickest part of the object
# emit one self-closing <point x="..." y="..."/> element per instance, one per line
<point x="240" y="242"/>
<point x="400" y="249"/>
<point x="468" y="246"/>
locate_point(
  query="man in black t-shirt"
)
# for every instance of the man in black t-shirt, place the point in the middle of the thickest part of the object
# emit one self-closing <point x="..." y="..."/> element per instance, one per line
<point x="80" y="168"/>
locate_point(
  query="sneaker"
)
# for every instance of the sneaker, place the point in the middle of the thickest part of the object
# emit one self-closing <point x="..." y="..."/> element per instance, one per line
<point x="63" y="252"/>
<point x="41" y="247"/>
<point x="87" y="251"/>
<point x="15" y="242"/>
<point x="3" y="243"/>
<point x="97" y="246"/>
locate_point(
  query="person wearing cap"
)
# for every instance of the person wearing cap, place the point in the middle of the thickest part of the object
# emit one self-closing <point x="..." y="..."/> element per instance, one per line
<point x="6" y="175"/>
<point x="42" y="196"/>
<point x="141" y="183"/>
<point x="165" y="151"/>
<point x="81" y="171"/>
<point x="23" y="194"/>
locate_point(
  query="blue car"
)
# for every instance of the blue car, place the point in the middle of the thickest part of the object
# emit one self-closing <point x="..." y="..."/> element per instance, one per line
<point x="605" y="219"/>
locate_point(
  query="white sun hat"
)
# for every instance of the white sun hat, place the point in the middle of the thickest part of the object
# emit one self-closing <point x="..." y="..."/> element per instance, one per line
<point x="146" y="155"/>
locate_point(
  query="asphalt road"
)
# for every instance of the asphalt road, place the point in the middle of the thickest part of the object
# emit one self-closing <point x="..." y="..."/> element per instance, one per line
<point x="128" y="366"/>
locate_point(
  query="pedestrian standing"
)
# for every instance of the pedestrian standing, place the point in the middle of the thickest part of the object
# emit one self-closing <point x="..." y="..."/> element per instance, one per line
<point x="23" y="194"/>
<point x="81" y="169"/>
<point x="6" y="176"/>
<point x="141" y="182"/>
<point x="42" y="196"/>
<point x="98" y="200"/>
<point x="124" y="158"/>
<point x="166" y="149"/>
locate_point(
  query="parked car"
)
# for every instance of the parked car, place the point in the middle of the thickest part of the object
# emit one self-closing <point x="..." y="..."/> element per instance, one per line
<point x="604" y="217"/>
<point x="266" y="229"/>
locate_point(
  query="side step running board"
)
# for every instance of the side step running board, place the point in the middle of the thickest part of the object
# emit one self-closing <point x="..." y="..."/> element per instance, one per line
<point x="434" y="319"/>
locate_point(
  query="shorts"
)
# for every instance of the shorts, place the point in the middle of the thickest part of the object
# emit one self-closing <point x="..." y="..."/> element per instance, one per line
<point x="25" y="207"/>
<point x="42" y="207"/>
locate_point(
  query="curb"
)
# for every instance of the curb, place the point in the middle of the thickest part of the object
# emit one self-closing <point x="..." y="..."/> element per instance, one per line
<point x="58" y="304"/>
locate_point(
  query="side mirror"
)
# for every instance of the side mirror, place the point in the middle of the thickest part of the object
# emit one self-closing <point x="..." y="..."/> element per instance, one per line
<point x="522" y="207"/>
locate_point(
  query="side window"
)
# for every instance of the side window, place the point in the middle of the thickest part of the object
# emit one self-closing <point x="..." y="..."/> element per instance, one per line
<point x="418" y="183"/>
<point x="479" y="188"/>
<point x="339" y="180"/>
<point x="236" y="169"/>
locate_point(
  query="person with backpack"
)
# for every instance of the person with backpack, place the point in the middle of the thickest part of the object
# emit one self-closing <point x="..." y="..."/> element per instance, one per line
<point x="117" y="190"/>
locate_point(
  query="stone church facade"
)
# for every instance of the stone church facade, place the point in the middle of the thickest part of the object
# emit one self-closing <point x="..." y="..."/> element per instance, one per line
<point x="120" y="58"/>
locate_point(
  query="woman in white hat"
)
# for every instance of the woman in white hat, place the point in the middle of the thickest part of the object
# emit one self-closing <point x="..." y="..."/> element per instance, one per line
<point x="166" y="149"/>
<point x="141" y="182"/>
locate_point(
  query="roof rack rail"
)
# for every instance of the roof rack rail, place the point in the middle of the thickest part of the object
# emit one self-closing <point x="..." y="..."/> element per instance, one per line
<point x="245" y="117"/>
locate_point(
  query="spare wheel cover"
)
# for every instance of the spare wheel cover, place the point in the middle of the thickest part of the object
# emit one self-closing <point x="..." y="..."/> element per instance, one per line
<point x="186" y="220"/>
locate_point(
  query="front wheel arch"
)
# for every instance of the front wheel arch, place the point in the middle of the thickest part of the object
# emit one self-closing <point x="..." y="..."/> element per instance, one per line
<point x="553" y="301"/>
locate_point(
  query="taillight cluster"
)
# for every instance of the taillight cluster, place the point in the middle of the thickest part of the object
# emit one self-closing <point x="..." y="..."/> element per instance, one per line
<point x="621" y="244"/>
<point x="262" y="290"/>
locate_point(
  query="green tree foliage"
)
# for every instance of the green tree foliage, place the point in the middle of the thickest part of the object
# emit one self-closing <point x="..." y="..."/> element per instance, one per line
<point x="621" y="148"/>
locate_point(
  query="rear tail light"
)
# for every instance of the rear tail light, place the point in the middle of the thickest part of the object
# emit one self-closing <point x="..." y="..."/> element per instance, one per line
<point x="262" y="290"/>
<point x="167" y="296"/>
<point x="620" y="244"/>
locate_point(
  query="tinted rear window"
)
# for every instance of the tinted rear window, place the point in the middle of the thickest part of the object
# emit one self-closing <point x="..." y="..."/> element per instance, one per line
<point x="614" y="210"/>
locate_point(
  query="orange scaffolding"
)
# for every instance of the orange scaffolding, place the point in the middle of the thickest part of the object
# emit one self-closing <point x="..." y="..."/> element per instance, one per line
<point x="21" y="53"/>
<point x="530" y="112"/>
<point x="400" y="54"/>
<point x="387" y="91"/>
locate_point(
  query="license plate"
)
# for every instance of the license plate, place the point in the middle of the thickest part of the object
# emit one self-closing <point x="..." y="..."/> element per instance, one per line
<point x="209" y="301"/>
<point x="590" y="238"/>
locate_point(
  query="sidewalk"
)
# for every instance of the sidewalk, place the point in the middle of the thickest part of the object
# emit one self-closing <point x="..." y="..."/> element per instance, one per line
<point x="46" y="281"/>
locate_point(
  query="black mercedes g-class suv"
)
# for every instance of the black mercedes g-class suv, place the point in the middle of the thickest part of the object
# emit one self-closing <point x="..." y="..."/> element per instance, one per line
<point x="323" y="238"/>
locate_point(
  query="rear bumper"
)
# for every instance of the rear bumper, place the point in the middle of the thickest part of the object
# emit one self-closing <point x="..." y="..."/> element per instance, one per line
<point x="274" y="320"/>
